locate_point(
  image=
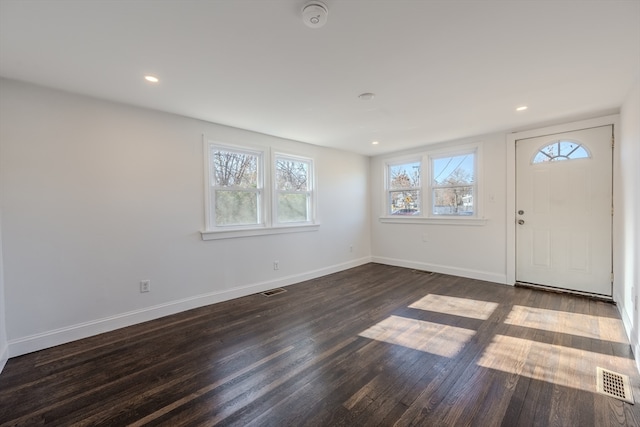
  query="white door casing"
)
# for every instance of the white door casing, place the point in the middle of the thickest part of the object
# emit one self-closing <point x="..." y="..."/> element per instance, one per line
<point x="563" y="235"/>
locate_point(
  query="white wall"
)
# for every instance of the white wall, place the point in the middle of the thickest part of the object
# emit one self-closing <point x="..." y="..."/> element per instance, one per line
<point x="4" y="345"/>
<point x="97" y="196"/>
<point x="626" y="219"/>
<point x="476" y="251"/>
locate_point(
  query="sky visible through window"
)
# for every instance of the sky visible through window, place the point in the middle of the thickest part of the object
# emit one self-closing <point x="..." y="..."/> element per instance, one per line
<point x="410" y="170"/>
<point x="561" y="150"/>
<point x="445" y="169"/>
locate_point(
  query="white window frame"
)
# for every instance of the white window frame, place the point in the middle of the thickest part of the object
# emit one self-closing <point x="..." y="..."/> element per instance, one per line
<point x="261" y="188"/>
<point x="431" y="186"/>
<point x="309" y="192"/>
<point x="387" y="180"/>
<point x="266" y="200"/>
<point x="426" y="215"/>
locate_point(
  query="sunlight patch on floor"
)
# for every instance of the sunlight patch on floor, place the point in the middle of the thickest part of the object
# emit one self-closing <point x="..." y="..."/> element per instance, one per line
<point x="464" y="307"/>
<point x="435" y="338"/>
<point x="557" y="364"/>
<point x="583" y="325"/>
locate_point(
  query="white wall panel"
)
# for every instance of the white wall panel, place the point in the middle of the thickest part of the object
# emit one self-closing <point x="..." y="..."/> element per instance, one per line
<point x="97" y="196"/>
<point x="626" y="224"/>
<point x="476" y="251"/>
<point x="4" y="345"/>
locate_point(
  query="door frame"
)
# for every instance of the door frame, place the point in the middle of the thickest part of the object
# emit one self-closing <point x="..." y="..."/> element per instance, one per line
<point x="511" y="177"/>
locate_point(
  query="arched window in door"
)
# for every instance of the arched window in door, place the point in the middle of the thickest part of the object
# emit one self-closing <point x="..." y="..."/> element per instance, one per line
<point x="561" y="150"/>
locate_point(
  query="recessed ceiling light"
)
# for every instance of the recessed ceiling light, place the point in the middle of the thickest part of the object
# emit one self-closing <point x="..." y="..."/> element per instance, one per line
<point x="522" y="108"/>
<point x="375" y="142"/>
<point x="152" y="79"/>
<point x="368" y="96"/>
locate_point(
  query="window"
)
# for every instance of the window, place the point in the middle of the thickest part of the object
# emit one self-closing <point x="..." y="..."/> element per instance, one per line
<point x="248" y="195"/>
<point x="453" y="184"/>
<point x="236" y="186"/>
<point x="403" y="188"/>
<point x="438" y="184"/>
<point x="293" y="189"/>
<point x="561" y="150"/>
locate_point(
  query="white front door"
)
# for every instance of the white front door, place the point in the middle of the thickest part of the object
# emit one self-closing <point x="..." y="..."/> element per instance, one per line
<point x="564" y="210"/>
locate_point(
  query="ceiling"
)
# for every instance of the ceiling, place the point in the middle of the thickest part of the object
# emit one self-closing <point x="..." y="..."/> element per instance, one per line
<point x="441" y="70"/>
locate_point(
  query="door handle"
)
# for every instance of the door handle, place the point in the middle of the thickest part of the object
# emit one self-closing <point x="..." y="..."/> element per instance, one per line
<point x="521" y="221"/>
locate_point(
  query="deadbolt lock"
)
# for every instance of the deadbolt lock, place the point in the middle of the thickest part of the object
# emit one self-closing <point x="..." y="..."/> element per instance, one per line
<point x="520" y="212"/>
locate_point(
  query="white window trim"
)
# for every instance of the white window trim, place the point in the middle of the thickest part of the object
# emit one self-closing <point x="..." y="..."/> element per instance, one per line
<point x="449" y="220"/>
<point x="426" y="209"/>
<point x="387" y="191"/>
<point x="456" y="151"/>
<point x="233" y="234"/>
<point x="266" y="225"/>
<point x="262" y="182"/>
<point x="575" y="141"/>
<point x="311" y="191"/>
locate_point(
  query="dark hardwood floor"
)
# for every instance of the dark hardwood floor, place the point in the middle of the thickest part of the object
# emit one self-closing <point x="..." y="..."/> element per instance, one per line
<point x="373" y="345"/>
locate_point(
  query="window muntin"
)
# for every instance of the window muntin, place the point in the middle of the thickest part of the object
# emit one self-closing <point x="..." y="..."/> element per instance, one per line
<point x="293" y="189"/>
<point x="236" y="186"/>
<point x="561" y="150"/>
<point x="453" y="184"/>
<point x="247" y="195"/>
<point x="438" y="186"/>
<point x="403" y="188"/>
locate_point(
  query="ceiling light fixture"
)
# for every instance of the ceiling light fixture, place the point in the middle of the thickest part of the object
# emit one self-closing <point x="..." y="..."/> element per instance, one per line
<point x="314" y="14"/>
<point x="367" y="96"/>
<point x="524" y="107"/>
<point x="375" y="142"/>
<point x="151" y="79"/>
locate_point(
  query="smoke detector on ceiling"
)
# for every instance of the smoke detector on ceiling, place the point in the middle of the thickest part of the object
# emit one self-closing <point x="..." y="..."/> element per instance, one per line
<point x="314" y="14"/>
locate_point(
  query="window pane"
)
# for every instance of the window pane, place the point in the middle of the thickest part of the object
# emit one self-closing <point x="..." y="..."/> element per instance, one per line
<point x="567" y="147"/>
<point x="561" y="150"/>
<point x="404" y="202"/>
<point x="579" y="153"/>
<point x="453" y="201"/>
<point x="551" y="150"/>
<point x="542" y="157"/>
<point x="292" y="207"/>
<point x="406" y="175"/>
<point x="234" y="169"/>
<point x="236" y="207"/>
<point x="454" y="170"/>
<point x="292" y="175"/>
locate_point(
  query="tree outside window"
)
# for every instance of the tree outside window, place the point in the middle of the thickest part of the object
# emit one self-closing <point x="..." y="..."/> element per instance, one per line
<point x="293" y="189"/>
<point x="236" y="186"/>
<point x="453" y="184"/>
<point x="404" y="188"/>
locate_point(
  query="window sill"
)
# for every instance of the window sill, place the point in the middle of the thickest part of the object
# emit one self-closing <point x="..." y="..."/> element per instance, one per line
<point x="233" y="234"/>
<point x="438" y="221"/>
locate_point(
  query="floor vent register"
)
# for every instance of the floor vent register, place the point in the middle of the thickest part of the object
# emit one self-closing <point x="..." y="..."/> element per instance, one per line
<point x="273" y="292"/>
<point x="613" y="384"/>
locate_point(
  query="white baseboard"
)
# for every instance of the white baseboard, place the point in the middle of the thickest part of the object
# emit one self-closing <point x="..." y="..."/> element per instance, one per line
<point x="4" y="355"/>
<point x="67" y="334"/>
<point x="444" y="269"/>
<point x="628" y="329"/>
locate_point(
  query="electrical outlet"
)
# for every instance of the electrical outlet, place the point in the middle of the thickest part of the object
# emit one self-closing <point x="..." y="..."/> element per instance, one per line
<point x="145" y="286"/>
<point x="276" y="265"/>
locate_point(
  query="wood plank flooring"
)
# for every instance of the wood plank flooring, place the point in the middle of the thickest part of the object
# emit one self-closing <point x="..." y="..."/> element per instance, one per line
<point x="373" y="345"/>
